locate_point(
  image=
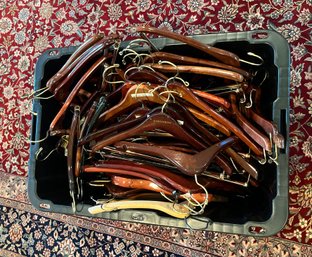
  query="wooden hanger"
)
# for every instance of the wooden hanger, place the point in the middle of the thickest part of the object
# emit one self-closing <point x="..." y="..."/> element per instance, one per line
<point x="71" y="147"/>
<point x="176" y="210"/>
<point x="112" y="130"/>
<point x="75" y="91"/>
<point x="216" y="72"/>
<point x="171" y="179"/>
<point x="63" y="89"/>
<point x="186" y="163"/>
<point x="112" y="169"/>
<point x="210" y="121"/>
<point x="268" y="126"/>
<point x="150" y="186"/>
<point x="137" y="93"/>
<point x="187" y="95"/>
<point x="220" y="54"/>
<point x="182" y="59"/>
<point x="253" y="132"/>
<point x="137" y="116"/>
<point x="160" y="121"/>
<point x="72" y="61"/>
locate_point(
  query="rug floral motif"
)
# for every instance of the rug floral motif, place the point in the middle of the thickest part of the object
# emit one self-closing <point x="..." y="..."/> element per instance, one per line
<point x="28" y="28"/>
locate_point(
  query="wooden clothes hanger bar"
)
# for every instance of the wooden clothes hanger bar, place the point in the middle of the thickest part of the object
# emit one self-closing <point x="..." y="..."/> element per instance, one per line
<point x="144" y="184"/>
<point x="75" y="91"/>
<point x="253" y="132"/>
<point x="220" y="54"/>
<point x="187" y="95"/>
<point x="216" y="72"/>
<point x="177" y="181"/>
<point x="176" y="210"/>
<point x="63" y="88"/>
<point x="113" y="169"/>
<point x="72" y="61"/>
<point x="160" y="121"/>
<point x="186" y="163"/>
<point x="181" y="59"/>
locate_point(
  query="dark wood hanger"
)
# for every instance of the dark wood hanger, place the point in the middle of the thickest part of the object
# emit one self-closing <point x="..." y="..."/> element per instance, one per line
<point x="187" y="95"/>
<point x="71" y="147"/>
<point x="111" y="169"/>
<point x="268" y="126"/>
<point x="210" y="121"/>
<point x="150" y="186"/>
<point x="190" y="124"/>
<point x="72" y="61"/>
<point x="182" y="59"/>
<point x="64" y="87"/>
<point x="250" y="130"/>
<point x="186" y="163"/>
<point x="160" y="121"/>
<point x="179" y="182"/>
<point x="220" y="54"/>
<point x="202" y="70"/>
<point x="112" y="130"/>
<point x="75" y="91"/>
<point x="138" y="93"/>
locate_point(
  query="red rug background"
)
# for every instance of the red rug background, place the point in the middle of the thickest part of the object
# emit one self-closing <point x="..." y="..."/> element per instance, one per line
<point x="28" y="28"/>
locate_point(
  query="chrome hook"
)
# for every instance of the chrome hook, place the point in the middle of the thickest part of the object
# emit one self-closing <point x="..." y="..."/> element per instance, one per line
<point x="40" y="140"/>
<point x="266" y="74"/>
<point x="39" y="152"/>
<point x="136" y="42"/>
<point x="249" y="105"/>
<point x="253" y="63"/>
<point x="243" y="100"/>
<point x="207" y="222"/>
<point x="39" y="91"/>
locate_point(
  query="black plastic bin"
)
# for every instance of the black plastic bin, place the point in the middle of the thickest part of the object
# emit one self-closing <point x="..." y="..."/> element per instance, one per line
<point x="264" y="212"/>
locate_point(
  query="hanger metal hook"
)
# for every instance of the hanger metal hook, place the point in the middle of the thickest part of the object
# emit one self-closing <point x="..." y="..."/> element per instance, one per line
<point x="234" y="165"/>
<point x="137" y="68"/>
<point x="166" y="197"/>
<point x="249" y="105"/>
<point x="172" y="64"/>
<point x="266" y="74"/>
<point x="201" y="205"/>
<point x="167" y="100"/>
<point x="264" y="160"/>
<point x="99" y="182"/>
<point x="46" y="157"/>
<point x="253" y="63"/>
<point x="40" y="140"/>
<point x="274" y="159"/>
<point x="104" y="75"/>
<point x="132" y="53"/>
<point x="136" y="55"/>
<point x="136" y="42"/>
<point x="207" y="222"/>
<point x="243" y="100"/>
<point x="39" y="91"/>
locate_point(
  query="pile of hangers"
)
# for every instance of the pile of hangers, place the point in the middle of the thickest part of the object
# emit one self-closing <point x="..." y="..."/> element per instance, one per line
<point x="158" y="130"/>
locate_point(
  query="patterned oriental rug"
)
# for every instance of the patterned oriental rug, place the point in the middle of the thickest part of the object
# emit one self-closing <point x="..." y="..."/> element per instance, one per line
<point x="28" y="28"/>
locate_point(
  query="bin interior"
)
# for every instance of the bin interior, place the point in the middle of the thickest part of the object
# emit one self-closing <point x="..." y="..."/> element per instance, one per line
<point x="51" y="174"/>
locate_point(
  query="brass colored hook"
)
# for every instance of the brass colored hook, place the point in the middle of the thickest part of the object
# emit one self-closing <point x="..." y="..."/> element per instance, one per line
<point x="264" y="160"/>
